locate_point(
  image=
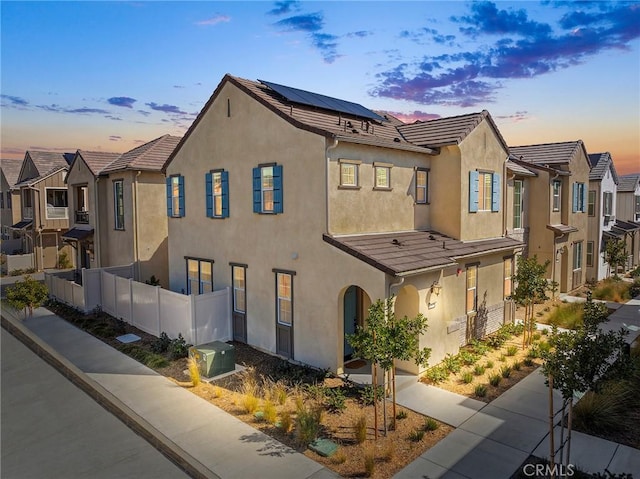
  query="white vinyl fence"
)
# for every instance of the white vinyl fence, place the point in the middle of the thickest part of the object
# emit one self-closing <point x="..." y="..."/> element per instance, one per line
<point x="18" y="261"/>
<point x="199" y="318"/>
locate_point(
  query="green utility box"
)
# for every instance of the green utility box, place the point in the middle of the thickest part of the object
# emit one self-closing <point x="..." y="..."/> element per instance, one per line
<point x="214" y="358"/>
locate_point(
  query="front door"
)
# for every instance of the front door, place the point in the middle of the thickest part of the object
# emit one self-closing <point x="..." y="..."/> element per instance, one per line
<point x="239" y="313"/>
<point x="350" y="317"/>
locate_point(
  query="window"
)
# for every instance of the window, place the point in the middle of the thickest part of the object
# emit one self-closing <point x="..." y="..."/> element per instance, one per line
<point x="472" y="287"/>
<point x="579" y="198"/>
<point x="284" y="298"/>
<point x="484" y="191"/>
<point x="349" y="173"/>
<point x="590" y="253"/>
<point x="118" y="204"/>
<point x="175" y="196"/>
<point x="422" y="178"/>
<point x="557" y="192"/>
<point x="637" y="208"/>
<point x="8" y="199"/>
<point x="199" y="276"/>
<point x="2" y="199"/>
<point x="591" y="204"/>
<point x="217" y="192"/>
<point x="239" y="294"/>
<point x="382" y="179"/>
<point x="267" y="189"/>
<point x="608" y="203"/>
<point x="577" y="255"/>
<point x="56" y="203"/>
<point x="508" y="273"/>
<point x="517" y="203"/>
<point x="26" y="198"/>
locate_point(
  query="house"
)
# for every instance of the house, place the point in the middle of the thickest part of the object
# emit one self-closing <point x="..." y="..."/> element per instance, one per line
<point x="119" y="203"/>
<point x="558" y="217"/>
<point x="601" y="212"/>
<point x="44" y="207"/>
<point x="9" y="203"/>
<point x="310" y="208"/>
<point x="629" y="214"/>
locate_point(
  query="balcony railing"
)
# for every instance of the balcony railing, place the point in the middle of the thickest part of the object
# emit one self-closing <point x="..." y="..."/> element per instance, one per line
<point x="57" y="212"/>
<point x="82" y="217"/>
<point x="27" y="212"/>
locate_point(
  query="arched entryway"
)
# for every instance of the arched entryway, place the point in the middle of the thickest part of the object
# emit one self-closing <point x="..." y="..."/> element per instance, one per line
<point x="355" y="303"/>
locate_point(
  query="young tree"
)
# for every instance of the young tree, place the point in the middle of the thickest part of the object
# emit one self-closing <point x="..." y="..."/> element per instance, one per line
<point x="531" y="286"/>
<point x="385" y="338"/>
<point x="27" y="294"/>
<point x="615" y="253"/>
<point x="579" y="359"/>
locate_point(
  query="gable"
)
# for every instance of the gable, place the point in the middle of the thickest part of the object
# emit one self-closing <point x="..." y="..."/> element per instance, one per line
<point x="28" y="169"/>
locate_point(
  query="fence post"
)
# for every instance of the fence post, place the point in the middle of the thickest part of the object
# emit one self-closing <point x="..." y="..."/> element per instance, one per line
<point x="194" y="322"/>
<point x="131" y="303"/>
<point x="115" y="295"/>
<point x="158" y="310"/>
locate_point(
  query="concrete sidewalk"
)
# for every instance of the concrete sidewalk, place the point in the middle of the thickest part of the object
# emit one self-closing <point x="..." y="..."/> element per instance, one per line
<point x="493" y="440"/>
<point x="199" y="437"/>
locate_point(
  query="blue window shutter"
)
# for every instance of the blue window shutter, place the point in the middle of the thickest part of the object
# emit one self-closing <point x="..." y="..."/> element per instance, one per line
<point x="473" y="191"/>
<point x="257" y="191"/>
<point x="585" y="199"/>
<point x="208" y="184"/>
<point x="575" y="197"/>
<point x="181" y="195"/>
<point x="495" y="192"/>
<point x="225" y="194"/>
<point x="169" y="202"/>
<point x="277" y="189"/>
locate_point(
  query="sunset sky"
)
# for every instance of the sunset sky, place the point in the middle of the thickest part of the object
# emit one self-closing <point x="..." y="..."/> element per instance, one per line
<point x="110" y="75"/>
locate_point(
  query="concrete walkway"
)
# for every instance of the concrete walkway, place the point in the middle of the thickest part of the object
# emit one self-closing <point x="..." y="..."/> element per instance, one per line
<point x="493" y="440"/>
<point x="200" y="438"/>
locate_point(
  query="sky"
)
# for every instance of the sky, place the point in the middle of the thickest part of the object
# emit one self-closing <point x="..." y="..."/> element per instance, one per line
<point x="109" y="76"/>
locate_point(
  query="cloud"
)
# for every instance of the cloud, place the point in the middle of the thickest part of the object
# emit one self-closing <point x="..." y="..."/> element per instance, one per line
<point x="54" y="108"/>
<point x="144" y="112"/>
<point x="14" y="100"/>
<point x="286" y="6"/>
<point x="359" y="34"/>
<point x="311" y="22"/>
<point x="123" y="101"/>
<point x="179" y="86"/>
<point x="216" y="19"/>
<point x="111" y="117"/>
<point x="412" y="117"/>
<point x="165" y="108"/>
<point x="327" y="45"/>
<point x="115" y="138"/>
<point x="426" y="36"/>
<point x="515" y="117"/>
<point x="11" y="151"/>
<point x="524" y="49"/>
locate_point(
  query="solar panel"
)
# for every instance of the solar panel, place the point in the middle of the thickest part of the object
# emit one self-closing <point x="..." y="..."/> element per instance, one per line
<point x="322" y="101"/>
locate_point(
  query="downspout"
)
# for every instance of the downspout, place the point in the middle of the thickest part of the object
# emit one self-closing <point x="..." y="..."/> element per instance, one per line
<point x="553" y="259"/>
<point x="327" y="215"/>
<point x="39" y="229"/>
<point x="136" y="255"/>
<point x="504" y="196"/>
<point x="96" y="239"/>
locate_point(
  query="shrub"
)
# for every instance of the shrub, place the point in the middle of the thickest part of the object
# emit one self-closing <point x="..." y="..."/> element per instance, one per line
<point x="437" y="374"/>
<point x="568" y="316"/>
<point x="452" y="363"/>
<point x="27" y="294"/>
<point x="149" y="359"/>
<point x="178" y="348"/>
<point x="495" y="379"/>
<point x="401" y="415"/>
<point x="512" y="350"/>
<point x="467" y="357"/>
<point x="604" y="411"/>
<point x="612" y="289"/>
<point x="467" y="377"/>
<point x="431" y="424"/>
<point x="517" y="365"/>
<point x="360" y="429"/>
<point x="285" y="422"/>
<point x="416" y="435"/>
<point x="537" y="336"/>
<point x="194" y="372"/>
<point x="308" y="425"/>
<point x="339" y="457"/>
<point x="635" y="273"/>
<point x="369" y="457"/>
<point x="250" y="403"/>
<point x="495" y="341"/>
<point x="489" y="364"/>
<point x="280" y="393"/>
<point x="480" y="390"/>
<point x="335" y="400"/>
<point x="505" y="371"/>
<point x="634" y="289"/>
<point x="389" y="451"/>
<point x="479" y="347"/>
<point x="63" y="261"/>
<point x="478" y="370"/>
<point x="153" y="281"/>
<point x="366" y="394"/>
<point x="502" y="358"/>
<point x="161" y="345"/>
<point x="269" y="412"/>
<point x="528" y="361"/>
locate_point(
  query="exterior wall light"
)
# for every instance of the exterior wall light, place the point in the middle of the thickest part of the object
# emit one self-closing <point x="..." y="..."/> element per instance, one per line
<point x="436" y="288"/>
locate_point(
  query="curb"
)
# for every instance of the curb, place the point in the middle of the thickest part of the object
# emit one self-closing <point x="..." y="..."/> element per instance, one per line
<point x="108" y="401"/>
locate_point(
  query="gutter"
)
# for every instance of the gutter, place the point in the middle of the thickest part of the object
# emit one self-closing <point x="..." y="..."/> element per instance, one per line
<point x="136" y="251"/>
<point x="96" y="239"/>
<point x="326" y="171"/>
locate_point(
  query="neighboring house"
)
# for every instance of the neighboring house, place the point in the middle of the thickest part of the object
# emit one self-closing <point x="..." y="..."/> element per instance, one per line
<point x="311" y="208"/>
<point x="84" y="182"/>
<point x="120" y="205"/>
<point x="629" y="213"/>
<point x="558" y="217"/>
<point x="9" y="201"/>
<point x="601" y="212"/>
<point x="44" y="206"/>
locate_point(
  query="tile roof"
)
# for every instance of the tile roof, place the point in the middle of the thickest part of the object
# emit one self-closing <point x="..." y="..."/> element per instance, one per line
<point x="97" y="160"/>
<point x="562" y="229"/>
<point x="600" y="162"/>
<point x="329" y="123"/>
<point x="548" y="153"/>
<point x="47" y="162"/>
<point x="413" y="252"/>
<point x="150" y="156"/>
<point x="520" y="169"/>
<point x="446" y="131"/>
<point x="11" y="169"/>
<point x="628" y="183"/>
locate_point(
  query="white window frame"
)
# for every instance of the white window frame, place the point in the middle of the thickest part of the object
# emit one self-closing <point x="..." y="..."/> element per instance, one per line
<point x="473" y="287"/>
<point x="607" y="203"/>
<point x="385" y="169"/>
<point x="422" y="187"/>
<point x="577" y="255"/>
<point x="266" y="190"/>
<point x="591" y="202"/>
<point x="284" y="298"/>
<point x="590" y="256"/>
<point x="349" y="173"/>
<point x="485" y="190"/>
<point x="175" y="196"/>
<point x="204" y="286"/>
<point x="118" y="200"/>
<point x="507" y="277"/>
<point x="239" y="288"/>
<point x="216" y="193"/>
<point x="47" y="207"/>
<point x="518" y="188"/>
<point x="557" y="195"/>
